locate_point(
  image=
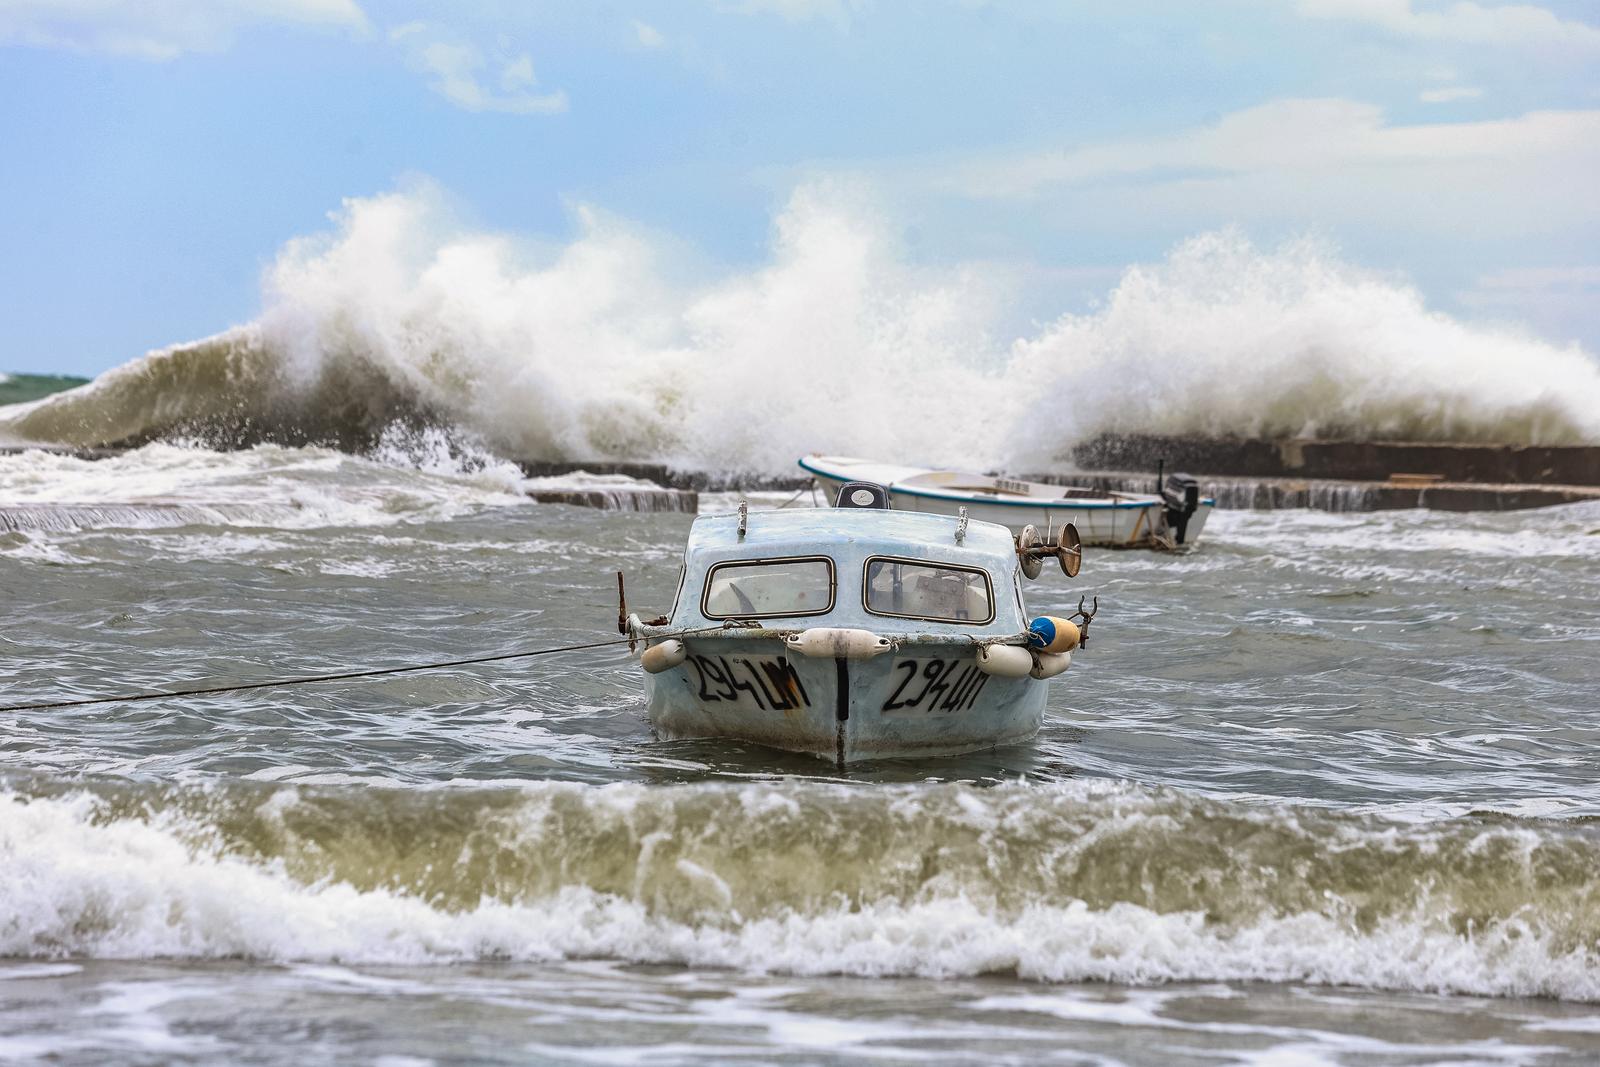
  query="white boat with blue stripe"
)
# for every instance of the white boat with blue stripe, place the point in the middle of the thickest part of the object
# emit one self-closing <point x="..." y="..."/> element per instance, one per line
<point x="1173" y="517"/>
<point x="855" y="632"/>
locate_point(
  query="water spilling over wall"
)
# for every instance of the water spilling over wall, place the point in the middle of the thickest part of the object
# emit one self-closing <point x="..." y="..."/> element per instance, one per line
<point x="62" y="517"/>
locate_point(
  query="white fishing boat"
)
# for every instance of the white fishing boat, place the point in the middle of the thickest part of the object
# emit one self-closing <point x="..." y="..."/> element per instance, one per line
<point x="856" y="632"/>
<point x="1173" y="517"/>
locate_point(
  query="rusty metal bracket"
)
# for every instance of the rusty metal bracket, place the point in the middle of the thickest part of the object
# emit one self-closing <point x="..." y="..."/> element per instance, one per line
<point x="1086" y="615"/>
<point x="622" y="615"/>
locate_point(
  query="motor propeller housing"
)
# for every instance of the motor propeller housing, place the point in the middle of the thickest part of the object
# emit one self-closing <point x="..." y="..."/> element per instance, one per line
<point x="1180" y="497"/>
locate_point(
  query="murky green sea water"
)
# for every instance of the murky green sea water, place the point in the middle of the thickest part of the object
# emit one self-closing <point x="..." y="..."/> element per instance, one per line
<point x="1323" y="791"/>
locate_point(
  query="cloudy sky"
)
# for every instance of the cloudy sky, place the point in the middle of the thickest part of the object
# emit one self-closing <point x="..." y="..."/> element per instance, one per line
<point x="158" y="155"/>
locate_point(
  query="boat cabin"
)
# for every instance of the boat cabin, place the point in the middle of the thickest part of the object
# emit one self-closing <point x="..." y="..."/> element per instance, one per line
<point x="890" y="572"/>
<point x="855" y="632"/>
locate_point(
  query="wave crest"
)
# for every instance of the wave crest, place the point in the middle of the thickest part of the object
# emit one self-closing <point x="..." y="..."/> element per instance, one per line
<point x="1060" y="883"/>
<point x="600" y="350"/>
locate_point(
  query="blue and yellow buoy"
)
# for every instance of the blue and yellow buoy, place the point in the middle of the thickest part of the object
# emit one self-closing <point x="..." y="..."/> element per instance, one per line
<point x="1050" y="634"/>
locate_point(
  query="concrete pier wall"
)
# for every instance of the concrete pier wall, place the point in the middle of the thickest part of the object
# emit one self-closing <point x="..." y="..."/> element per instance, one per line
<point x="686" y="501"/>
<point x="1270" y="494"/>
<point x="1232" y="473"/>
<point x="1364" y="461"/>
<point x="1238" y="473"/>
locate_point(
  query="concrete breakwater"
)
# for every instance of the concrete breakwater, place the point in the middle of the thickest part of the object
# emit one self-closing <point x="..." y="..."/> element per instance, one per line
<point x="622" y="498"/>
<point x="1345" y="475"/>
<point x="1355" y="461"/>
<point x="1273" y="494"/>
<point x="1237" y="472"/>
<point x="1264" y="474"/>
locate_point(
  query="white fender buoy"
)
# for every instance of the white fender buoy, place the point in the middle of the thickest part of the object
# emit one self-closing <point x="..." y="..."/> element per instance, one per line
<point x="1005" y="661"/>
<point x="664" y="655"/>
<point x="1050" y="664"/>
<point x="1050" y="634"/>
<point x="837" y="642"/>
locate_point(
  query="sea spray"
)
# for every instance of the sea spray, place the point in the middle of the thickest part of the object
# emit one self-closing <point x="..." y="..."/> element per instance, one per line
<point x="402" y="316"/>
<point x="1223" y="338"/>
<point x="1060" y="882"/>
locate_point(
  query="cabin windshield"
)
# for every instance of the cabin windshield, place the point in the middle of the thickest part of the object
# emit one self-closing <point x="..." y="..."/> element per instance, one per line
<point x="747" y="589"/>
<point x="914" y="589"/>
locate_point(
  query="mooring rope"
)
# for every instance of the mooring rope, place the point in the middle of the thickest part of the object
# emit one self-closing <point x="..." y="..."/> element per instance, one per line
<point x="809" y="485"/>
<point x="342" y="676"/>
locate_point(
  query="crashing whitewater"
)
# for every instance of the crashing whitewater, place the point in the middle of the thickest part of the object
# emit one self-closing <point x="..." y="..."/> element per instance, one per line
<point x="402" y="317"/>
<point x="1071" y="882"/>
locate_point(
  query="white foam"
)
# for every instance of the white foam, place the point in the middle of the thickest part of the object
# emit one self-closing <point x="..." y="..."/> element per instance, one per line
<point x="600" y="349"/>
<point x="582" y="479"/>
<point x="1226" y="338"/>
<point x="1288" y="1044"/>
<point x="38" y="548"/>
<point x="814" y="349"/>
<point x="38" y="970"/>
<point x="162" y="485"/>
<point x="81" y="882"/>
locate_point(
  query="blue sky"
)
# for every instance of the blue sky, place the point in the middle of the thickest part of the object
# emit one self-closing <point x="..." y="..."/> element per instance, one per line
<point x="158" y="156"/>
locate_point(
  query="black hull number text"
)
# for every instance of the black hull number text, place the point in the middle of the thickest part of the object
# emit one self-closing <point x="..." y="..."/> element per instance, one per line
<point x="770" y="683"/>
<point x="938" y="685"/>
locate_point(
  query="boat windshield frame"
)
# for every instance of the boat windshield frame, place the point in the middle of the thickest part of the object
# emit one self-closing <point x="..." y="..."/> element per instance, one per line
<point x="833" y="587"/>
<point x="866" y="589"/>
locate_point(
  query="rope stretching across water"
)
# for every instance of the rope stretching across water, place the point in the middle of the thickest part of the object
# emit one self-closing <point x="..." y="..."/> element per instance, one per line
<point x="342" y="676"/>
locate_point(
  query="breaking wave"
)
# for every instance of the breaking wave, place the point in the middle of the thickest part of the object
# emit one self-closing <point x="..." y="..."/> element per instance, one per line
<point x="1067" y="882"/>
<point x="407" y="478"/>
<point x="599" y="350"/>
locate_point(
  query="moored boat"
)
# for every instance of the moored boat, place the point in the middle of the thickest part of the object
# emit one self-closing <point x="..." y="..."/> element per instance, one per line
<point x="1173" y="517"/>
<point x="856" y="632"/>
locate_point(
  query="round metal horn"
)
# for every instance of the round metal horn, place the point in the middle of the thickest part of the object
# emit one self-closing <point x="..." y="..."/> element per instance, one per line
<point x="1027" y="543"/>
<point x="1069" y="550"/>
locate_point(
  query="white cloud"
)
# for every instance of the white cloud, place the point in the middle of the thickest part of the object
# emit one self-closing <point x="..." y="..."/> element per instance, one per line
<point x="1559" y="301"/>
<point x="164" y="30"/>
<point x="1296" y="136"/>
<point x="1449" y="94"/>
<point x="1464" y="22"/>
<point x="462" y="74"/>
<point x="837" y="12"/>
<point x="1318" y="161"/>
<point x="1524" y="279"/>
<point x="517" y="74"/>
<point x="647" y="36"/>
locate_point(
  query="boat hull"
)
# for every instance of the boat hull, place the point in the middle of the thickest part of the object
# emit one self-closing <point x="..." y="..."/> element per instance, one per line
<point x="1118" y="524"/>
<point x="913" y="701"/>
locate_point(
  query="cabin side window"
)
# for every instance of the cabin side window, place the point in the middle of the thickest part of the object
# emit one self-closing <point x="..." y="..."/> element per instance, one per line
<point x="762" y="588"/>
<point x="919" y="589"/>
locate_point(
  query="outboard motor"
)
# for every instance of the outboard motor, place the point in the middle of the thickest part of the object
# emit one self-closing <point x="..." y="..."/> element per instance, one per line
<point x="1181" y="495"/>
<point x="862" y="495"/>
